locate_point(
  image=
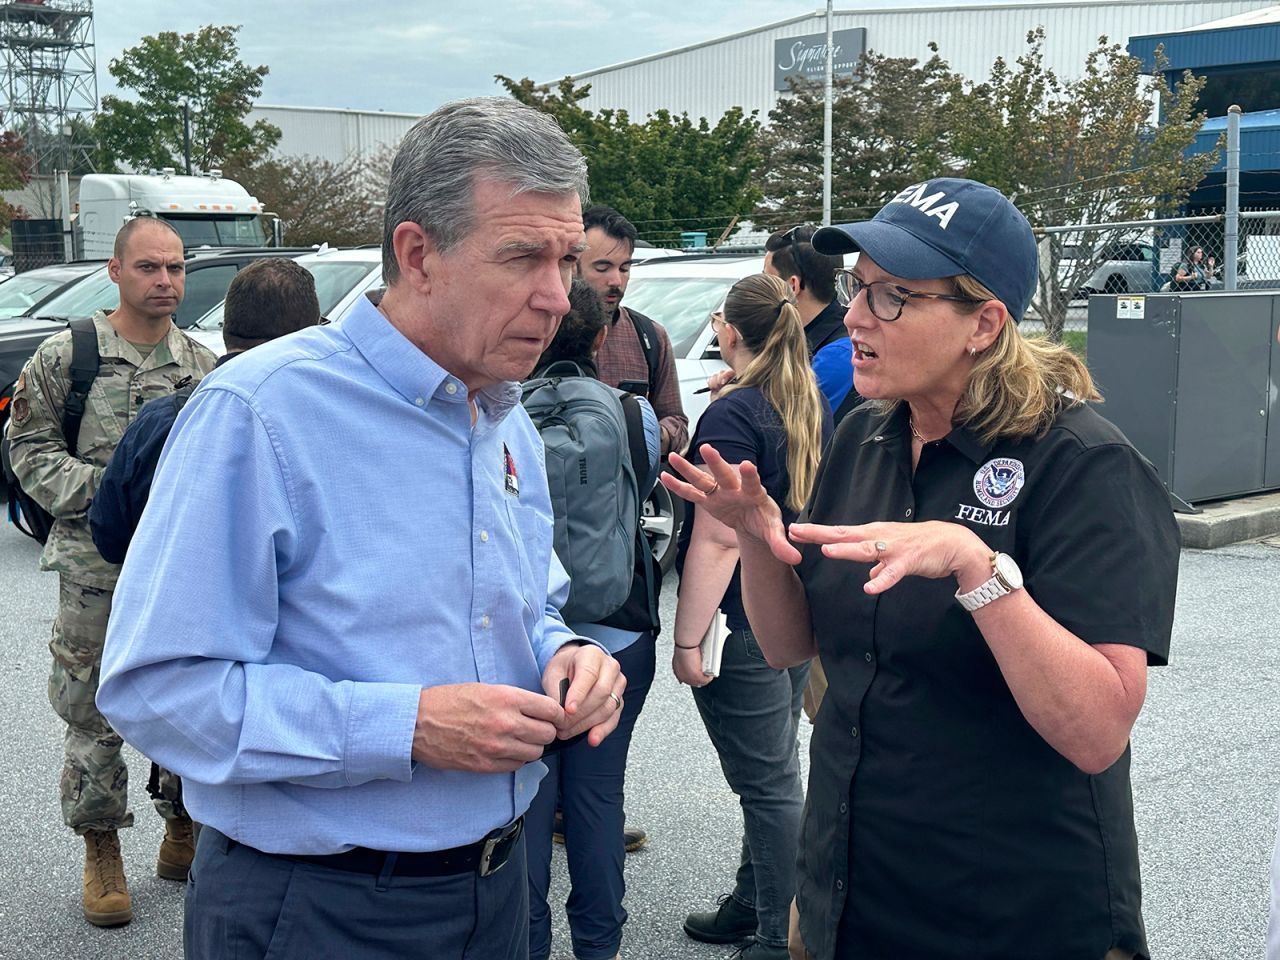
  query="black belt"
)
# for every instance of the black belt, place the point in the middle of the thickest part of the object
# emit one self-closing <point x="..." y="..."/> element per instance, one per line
<point x="485" y="856"/>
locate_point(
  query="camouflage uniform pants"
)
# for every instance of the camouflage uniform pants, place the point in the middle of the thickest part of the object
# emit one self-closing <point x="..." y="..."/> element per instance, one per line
<point x="95" y="781"/>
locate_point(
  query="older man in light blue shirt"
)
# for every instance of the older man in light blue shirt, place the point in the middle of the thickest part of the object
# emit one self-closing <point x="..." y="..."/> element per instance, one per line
<point x="338" y="618"/>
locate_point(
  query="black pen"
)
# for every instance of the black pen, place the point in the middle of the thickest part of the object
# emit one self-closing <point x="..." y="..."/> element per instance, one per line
<point x="708" y="389"/>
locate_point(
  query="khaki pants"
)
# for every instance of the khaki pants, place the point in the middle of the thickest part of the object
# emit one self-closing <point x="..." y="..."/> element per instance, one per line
<point x="94" y="784"/>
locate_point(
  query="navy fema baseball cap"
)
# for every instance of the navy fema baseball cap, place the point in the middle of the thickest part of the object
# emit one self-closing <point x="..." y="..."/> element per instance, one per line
<point x="944" y="228"/>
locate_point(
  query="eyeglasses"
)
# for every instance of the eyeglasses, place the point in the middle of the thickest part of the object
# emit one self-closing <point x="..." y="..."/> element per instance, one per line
<point x="716" y="317"/>
<point x="886" y="299"/>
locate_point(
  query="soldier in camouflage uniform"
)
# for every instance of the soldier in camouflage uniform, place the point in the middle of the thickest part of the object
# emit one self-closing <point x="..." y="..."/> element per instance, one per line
<point x="141" y="355"/>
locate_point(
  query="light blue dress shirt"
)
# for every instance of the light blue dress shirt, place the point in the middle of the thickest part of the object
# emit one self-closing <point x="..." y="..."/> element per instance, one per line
<point x="326" y="535"/>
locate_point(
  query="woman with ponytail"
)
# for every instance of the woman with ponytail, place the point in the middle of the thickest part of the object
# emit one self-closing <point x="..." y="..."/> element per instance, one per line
<point x="767" y="410"/>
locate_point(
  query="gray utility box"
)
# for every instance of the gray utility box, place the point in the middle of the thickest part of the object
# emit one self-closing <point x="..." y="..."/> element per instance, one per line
<point x="1193" y="380"/>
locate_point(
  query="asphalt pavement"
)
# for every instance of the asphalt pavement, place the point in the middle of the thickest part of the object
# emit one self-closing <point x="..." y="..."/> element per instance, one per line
<point x="1205" y="774"/>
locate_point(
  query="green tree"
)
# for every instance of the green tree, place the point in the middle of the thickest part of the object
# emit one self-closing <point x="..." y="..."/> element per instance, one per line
<point x="200" y="69"/>
<point x="319" y="201"/>
<point x="666" y="174"/>
<point x="15" y="173"/>
<point x="889" y="129"/>
<point x="1087" y="151"/>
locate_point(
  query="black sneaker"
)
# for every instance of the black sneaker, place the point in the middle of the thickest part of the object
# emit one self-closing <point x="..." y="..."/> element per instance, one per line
<point x="755" y="950"/>
<point x="633" y="838"/>
<point x="730" y="923"/>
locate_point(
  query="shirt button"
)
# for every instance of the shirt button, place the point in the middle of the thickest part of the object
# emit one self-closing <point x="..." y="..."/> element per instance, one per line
<point x="484" y="621"/>
<point x="868" y="656"/>
<point x="451" y="388"/>
<point x="908" y="511"/>
<point x="484" y="536"/>
<point x="839" y="884"/>
<point x="420" y="402"/>
<point x="844" y="808"/>
<point x="853" y="732"/>
<point x="878" y="439"/>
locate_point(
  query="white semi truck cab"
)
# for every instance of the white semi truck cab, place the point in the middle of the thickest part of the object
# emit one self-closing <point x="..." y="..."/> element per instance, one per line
<point x="206" y="210"/>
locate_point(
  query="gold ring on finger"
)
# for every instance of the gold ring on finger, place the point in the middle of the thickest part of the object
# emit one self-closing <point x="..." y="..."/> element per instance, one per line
<point x="617" y="700"/>
<point x="714" y="488"/>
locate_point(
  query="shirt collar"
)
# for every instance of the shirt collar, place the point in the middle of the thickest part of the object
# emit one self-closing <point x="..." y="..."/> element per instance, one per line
<point x="962" y="438"/>
<point x="824" y="323"/>
<point x="412" y="373"/>
<point x="111" y="344"/>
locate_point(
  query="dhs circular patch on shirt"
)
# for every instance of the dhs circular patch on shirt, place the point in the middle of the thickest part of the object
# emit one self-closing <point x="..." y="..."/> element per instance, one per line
<point x="998" y="482"/>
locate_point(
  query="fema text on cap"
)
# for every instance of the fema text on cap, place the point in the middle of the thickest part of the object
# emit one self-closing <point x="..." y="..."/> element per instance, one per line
<point x="914" y="195"/>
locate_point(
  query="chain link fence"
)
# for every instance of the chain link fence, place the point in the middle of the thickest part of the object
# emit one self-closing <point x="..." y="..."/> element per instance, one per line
<point x="37" y="243"/>
<point x="1181" y="254"/>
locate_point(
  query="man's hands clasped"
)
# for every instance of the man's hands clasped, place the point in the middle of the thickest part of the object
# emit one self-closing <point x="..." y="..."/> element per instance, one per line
<point x="494" y="728"/>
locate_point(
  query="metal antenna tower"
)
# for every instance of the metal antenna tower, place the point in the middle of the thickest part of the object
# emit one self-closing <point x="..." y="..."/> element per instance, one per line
<point x="50" y="79"/>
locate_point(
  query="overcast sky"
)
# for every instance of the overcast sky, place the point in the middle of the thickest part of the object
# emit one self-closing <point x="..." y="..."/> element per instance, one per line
<point x="418" y="54"/>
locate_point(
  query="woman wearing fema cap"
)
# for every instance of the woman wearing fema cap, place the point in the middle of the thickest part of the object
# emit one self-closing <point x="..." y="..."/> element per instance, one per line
<point x="987" y="568"/>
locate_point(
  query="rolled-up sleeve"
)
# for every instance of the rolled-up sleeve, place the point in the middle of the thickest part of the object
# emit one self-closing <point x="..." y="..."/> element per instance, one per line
<point x="189" y="673"/>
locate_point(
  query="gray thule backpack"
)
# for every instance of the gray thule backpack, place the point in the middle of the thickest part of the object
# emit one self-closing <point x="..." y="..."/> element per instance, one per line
<point x="596" y="459"/>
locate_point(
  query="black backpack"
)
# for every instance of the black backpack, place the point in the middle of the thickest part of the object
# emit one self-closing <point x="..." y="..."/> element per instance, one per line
<point x="24" y="513"/>
<point x="648" y="334"/>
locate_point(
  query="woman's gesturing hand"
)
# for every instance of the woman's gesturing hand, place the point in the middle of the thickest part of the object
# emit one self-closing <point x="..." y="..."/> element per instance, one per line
<point x="734" y="496"/>
<point x="933" y="549"/>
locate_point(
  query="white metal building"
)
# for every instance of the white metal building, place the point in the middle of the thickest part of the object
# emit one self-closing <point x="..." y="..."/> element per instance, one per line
<point x="332" y="133"/>
<point x="743" y="69"/>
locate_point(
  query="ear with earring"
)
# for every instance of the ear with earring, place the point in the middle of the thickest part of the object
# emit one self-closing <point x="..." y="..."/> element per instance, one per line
<point x="973" y="351"/>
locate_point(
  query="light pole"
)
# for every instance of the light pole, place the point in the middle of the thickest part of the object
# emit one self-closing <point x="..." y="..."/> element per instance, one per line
<point x="826" y="128"/>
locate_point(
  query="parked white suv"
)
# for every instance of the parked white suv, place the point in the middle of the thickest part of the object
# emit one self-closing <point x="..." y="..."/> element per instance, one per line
<point x="341" y="277"/>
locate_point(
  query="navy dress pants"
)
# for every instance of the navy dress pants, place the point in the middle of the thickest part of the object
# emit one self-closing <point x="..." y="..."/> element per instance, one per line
<point x="589" y="781"/>
<point x="246" y="905"/>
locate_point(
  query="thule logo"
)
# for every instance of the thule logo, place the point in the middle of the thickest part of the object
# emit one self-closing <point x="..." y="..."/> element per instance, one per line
<point x="582" y="471"/>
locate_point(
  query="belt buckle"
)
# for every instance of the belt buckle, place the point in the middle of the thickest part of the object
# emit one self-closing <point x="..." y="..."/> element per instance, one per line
<point x="500" y="844"/>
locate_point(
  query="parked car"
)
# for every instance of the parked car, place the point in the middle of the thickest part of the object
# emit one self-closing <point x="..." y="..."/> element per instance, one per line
<point x="21" y="295"/>
<point x="1125" y="267"/>
<point x="86" y="288"/>
<point x="680" y="293"/>
<point x="341" y="277"/>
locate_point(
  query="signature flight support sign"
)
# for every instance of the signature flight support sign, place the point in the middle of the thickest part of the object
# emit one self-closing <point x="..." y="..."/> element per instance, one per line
<point x="806" y="57"/>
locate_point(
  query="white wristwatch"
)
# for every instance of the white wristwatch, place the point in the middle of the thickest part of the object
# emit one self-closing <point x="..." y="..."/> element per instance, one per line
<point x="1005" y="578"/>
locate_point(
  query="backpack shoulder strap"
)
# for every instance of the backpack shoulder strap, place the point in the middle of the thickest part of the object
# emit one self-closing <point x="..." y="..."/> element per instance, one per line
<point x="561" y="368"/>
<point x="648" y="334"/>
<point x="84" y="370"/>
<point x="635" y="436"/>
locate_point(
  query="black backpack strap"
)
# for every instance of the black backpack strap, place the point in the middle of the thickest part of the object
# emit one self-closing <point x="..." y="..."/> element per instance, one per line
<point x="561" y="368"/>
<point x="640" y="464"/>
<point x="84" y="370"/>
<point x="648" y="334"/>
<point x="635" y="439"/>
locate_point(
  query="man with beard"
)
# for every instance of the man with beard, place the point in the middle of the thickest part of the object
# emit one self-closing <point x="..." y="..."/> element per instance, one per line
<point x="637" y="354"/>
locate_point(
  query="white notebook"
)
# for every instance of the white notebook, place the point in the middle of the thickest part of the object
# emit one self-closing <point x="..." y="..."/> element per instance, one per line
<point x="712" y="645"/>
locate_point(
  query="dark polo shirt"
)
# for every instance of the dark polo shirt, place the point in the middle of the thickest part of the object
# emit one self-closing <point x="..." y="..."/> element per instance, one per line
<point x="938" y="823"/>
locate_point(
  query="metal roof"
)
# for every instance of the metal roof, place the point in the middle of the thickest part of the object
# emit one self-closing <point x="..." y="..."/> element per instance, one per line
<point x="1230" y="42"/>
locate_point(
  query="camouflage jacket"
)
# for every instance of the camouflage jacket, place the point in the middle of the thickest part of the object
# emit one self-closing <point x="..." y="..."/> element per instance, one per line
<point x="64" y="485"/>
